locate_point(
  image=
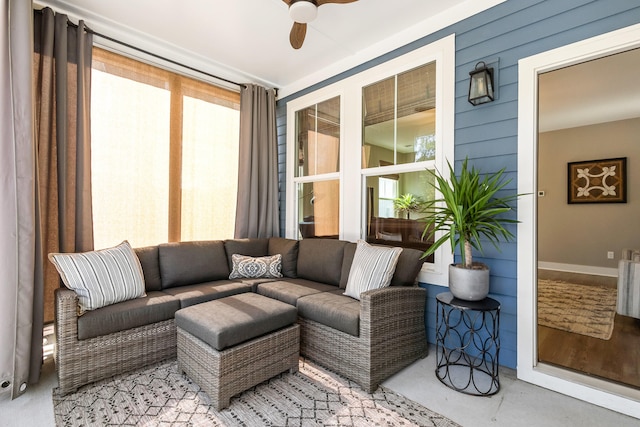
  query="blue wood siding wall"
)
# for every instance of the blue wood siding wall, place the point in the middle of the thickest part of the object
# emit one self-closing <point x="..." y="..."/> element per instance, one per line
<point x="487" y="134"/>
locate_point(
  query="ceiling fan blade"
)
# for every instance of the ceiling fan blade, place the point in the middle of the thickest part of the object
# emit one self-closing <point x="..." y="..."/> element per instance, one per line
<point x="321" y="2"/>
<point x="296" y="37"/>
<point x="288" y="2"/>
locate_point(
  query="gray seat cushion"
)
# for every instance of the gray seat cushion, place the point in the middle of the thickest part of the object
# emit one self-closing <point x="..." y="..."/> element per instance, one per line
<point x="208" y="291"/>
<point x="148" y="257"/>
<point x="290" y="290"/>
<point x="155" y="307"/>
<point x="230" y="321"/>
<point x="188" y="263"/>
<point x="320" y="260"/>
<point x="288" y="248"/>
<point x="332" y="309"/>
<point x="248" y="247"/>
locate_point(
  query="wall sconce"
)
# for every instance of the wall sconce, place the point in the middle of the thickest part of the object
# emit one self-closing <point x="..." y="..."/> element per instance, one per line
<point x="481" y="84"/>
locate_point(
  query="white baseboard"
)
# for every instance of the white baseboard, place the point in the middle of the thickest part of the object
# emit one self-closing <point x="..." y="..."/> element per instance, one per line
<point x="581" y="269"/>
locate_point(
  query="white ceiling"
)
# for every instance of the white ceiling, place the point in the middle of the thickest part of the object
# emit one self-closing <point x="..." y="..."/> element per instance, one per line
<point x="598" y="91"/>
<point x="248" y="40"/>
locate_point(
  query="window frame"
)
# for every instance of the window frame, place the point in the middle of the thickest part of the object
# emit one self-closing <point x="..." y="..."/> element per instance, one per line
<point x="351" y="175"/>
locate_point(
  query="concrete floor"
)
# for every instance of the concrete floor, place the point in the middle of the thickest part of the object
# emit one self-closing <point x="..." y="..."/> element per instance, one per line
<point x="516" y="404"/>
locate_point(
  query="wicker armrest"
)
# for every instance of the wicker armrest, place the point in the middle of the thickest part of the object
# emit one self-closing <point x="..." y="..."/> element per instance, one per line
<point x="66" y="316"/>
<point x="380" y="309"/>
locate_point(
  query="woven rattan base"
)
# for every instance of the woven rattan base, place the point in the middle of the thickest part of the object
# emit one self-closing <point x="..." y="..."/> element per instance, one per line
<point x="223" y="374"/>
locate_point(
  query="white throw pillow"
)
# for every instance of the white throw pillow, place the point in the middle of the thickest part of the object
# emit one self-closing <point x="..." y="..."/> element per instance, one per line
<point x="372" y="268"/>
<point x="246" y="267"/>
<point x="102" y="277"/>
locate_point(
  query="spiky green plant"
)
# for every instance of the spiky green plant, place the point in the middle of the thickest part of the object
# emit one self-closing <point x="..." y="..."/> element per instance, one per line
<point x="407" y="203"/>
<point x="468" y="210"/>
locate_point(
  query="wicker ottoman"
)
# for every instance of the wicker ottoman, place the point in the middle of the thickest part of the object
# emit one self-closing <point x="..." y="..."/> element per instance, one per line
<point x="231" y="344"/>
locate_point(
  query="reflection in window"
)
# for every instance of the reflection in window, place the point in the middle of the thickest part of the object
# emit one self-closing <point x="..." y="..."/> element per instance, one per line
<point x="397" y="220"/>
<point x="319" y="209"/>
<point x="318" y="138"/>
<point x="399" y="118"/>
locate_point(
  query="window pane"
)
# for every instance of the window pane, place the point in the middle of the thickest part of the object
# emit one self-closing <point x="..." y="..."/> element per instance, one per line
<point x="387" y="222"/>
<point x="399" y="118"/>
<point x="318" y="209"/>
<point x="130" y="161"/>
<point x="318" y="138"/>
<point x="209" y="170"/>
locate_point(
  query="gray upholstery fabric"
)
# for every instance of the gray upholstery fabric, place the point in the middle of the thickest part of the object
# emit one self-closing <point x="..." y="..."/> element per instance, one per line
<point x="290" y="290"/>
<point x="288" y="248"/>
<point x="408" y="267"/>
<point x="349" y="252"/>
<point x="148" y="257"/>
<point x="248" y="247"/>
<point x="155" y="307"/>
<point x="203" y="292"/>
<point x="186" y="263"/>
<point x="332" y="309"/>
<point x="320" y="260"/>
<point x="233" y="320"/>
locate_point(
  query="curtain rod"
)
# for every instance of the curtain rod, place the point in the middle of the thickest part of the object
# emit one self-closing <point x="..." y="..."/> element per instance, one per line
<point x="95" y="33"/>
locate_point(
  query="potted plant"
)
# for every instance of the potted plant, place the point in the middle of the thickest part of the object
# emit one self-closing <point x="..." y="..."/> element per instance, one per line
<point x="407" y="203"/>
<point x="468" y="211"/>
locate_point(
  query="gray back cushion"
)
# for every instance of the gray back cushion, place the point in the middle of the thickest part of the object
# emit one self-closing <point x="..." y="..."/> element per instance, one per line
<point x="187" y="263"/>
<point x="408" y="267"/>
<point x="248" y="247"/>
<point x="349" y="252"/>
<point x="288" y="248"/>
<point x="321" y="260"/>
<point x="148" y="257"/>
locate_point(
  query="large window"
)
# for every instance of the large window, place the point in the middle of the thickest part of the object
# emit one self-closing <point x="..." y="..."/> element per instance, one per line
<point x="395" y="123"/>
<point x="164" y="155"/>
<point x="317" y="169"/>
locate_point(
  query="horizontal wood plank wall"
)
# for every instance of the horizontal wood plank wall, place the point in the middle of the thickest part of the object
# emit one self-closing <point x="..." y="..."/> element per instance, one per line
<point x="487" y="134"/>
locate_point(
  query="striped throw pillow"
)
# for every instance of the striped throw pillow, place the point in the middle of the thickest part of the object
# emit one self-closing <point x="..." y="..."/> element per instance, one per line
<point x="372" y="268"/>
<point x="102" y="277"/>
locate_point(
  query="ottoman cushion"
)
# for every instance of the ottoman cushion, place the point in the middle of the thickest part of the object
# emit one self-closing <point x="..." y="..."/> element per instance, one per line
<point x="232" y="320"/>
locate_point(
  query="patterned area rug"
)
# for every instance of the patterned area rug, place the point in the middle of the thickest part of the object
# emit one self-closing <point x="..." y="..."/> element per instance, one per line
<point x="581" y="309"/>
<point x="159" y="395"/>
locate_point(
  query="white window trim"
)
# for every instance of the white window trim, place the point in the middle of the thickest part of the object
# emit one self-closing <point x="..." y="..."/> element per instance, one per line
<point x="351" y="175"/>
<point x="607" y="394"/>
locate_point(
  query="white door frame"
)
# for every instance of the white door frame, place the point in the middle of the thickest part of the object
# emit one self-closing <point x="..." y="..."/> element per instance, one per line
<point x="599" y="392"/>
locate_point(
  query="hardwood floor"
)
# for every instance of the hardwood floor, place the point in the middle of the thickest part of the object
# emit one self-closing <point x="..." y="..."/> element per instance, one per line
<point x="616" y="359"/>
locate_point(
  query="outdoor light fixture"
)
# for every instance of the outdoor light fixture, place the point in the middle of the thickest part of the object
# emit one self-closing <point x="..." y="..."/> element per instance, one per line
<point x="481" y="84"/>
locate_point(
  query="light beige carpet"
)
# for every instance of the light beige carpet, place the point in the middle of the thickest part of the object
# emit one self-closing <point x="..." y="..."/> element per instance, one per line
<point x="581" y="309"/>
<point x="161" y="396"/>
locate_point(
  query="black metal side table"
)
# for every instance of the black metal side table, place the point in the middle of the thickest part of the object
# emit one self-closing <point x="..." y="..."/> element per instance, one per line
<point x="468" y="344"/>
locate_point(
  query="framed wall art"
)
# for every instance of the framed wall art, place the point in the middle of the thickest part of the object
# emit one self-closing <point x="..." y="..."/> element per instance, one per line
<point x="598" y="181"/>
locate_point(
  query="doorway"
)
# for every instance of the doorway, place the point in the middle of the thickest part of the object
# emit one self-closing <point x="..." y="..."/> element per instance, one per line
<point x="546" y="184"/>
<point x="588" y="154"/>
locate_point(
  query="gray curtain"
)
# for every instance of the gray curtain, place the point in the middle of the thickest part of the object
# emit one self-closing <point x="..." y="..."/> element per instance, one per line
<point x="20" y="255"/>
<point x="257" y="207"/>
<point x="62" y="69"/>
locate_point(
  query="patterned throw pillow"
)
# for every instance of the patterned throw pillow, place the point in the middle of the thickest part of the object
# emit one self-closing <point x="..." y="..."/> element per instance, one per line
<point x="372" y="268"/>
<point x="246" y="267"/>
<point x="102" y="277"/>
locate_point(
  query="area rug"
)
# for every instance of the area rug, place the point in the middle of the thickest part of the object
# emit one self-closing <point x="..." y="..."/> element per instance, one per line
<point x="159" y="395"/>
<point x="581" y="309"/>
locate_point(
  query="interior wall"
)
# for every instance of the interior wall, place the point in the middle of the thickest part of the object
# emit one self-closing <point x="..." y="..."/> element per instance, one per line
<point x="582" y="234"/>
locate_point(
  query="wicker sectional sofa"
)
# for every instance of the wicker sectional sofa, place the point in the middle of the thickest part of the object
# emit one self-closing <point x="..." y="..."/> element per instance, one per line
<point x="366" y="340"/>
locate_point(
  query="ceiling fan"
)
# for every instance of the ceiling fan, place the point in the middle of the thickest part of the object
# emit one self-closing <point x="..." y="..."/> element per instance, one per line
<point x="302" y="12"/>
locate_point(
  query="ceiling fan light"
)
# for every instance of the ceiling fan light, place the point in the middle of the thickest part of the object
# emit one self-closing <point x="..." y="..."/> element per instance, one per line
<point x="303" y="11"/>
